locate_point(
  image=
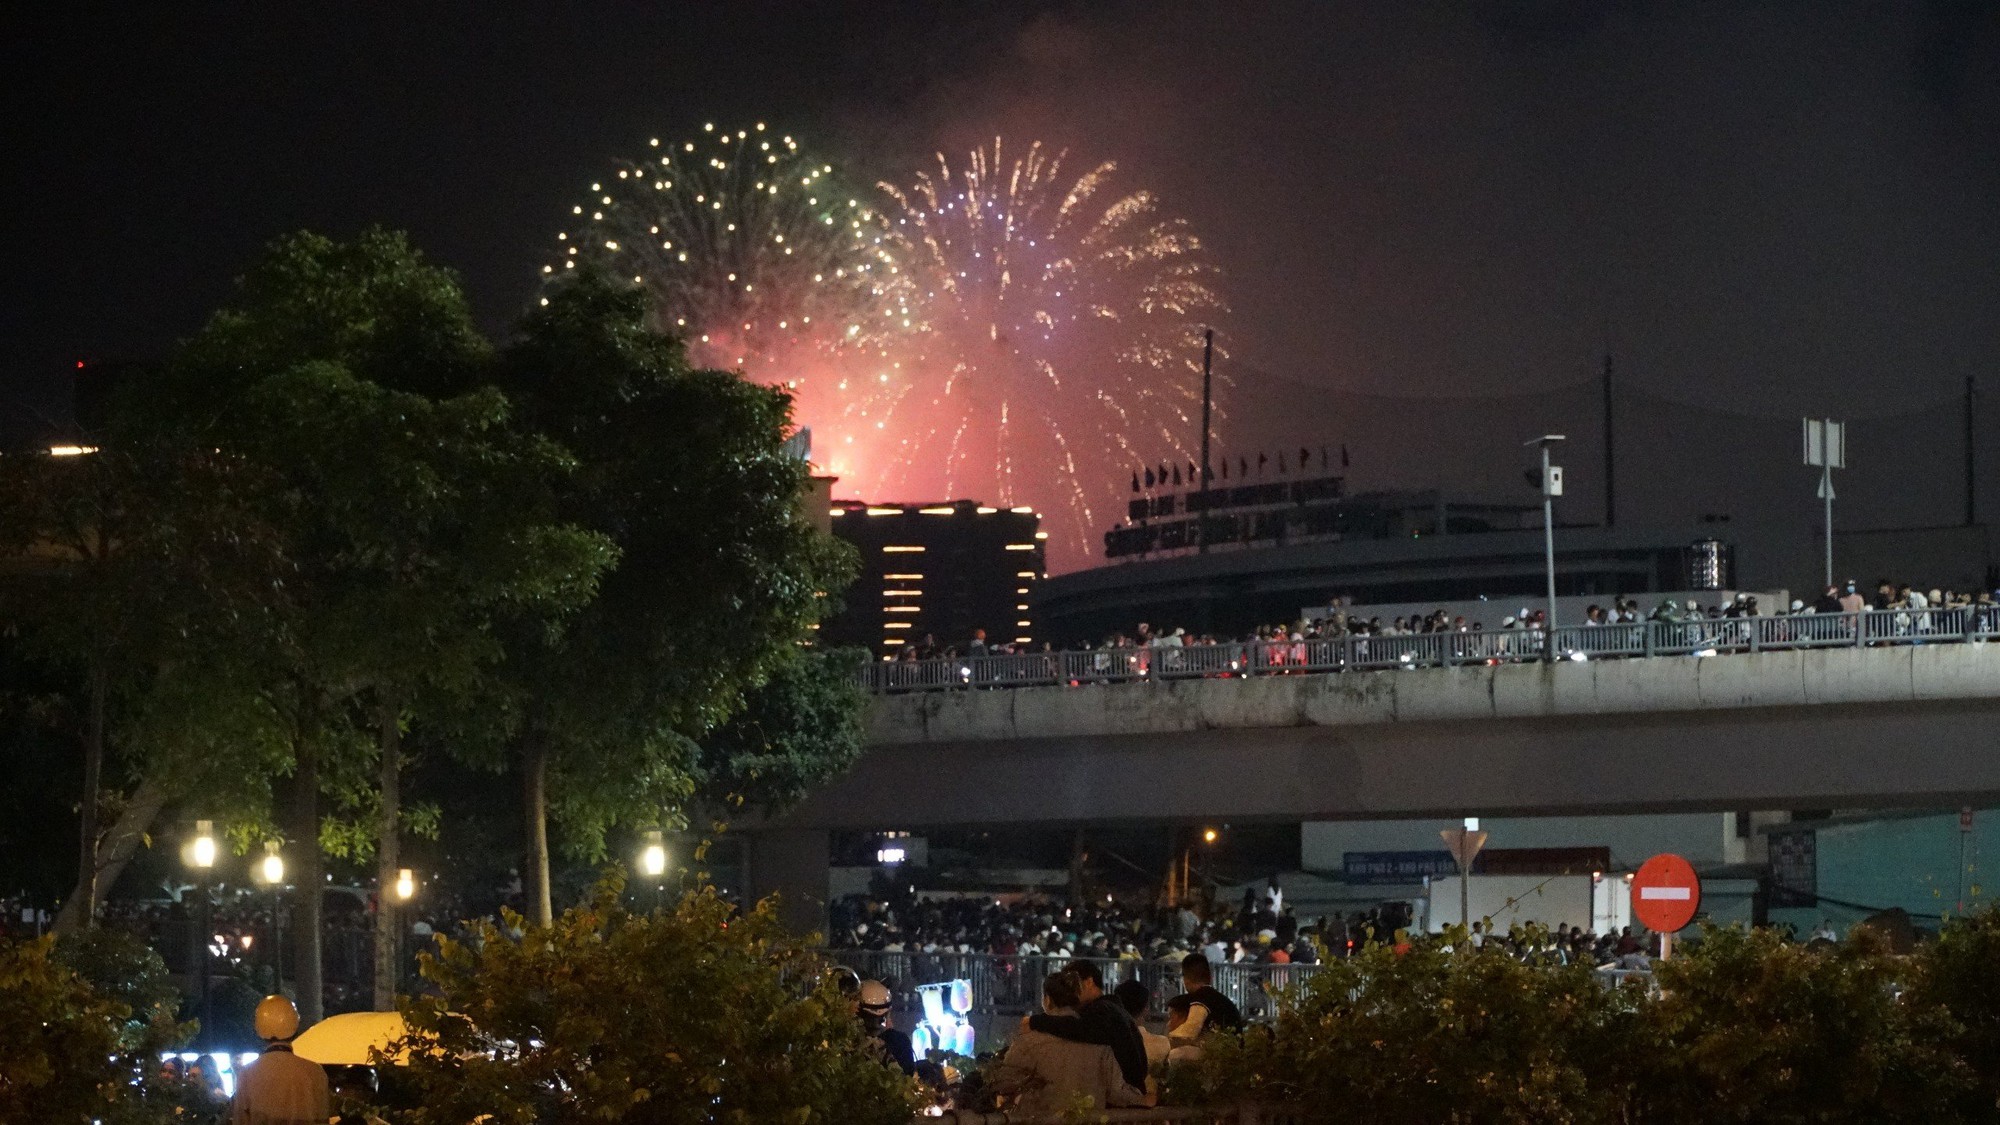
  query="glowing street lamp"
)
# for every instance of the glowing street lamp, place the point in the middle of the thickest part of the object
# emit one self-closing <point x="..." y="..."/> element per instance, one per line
<point x="399" y="894"/>
<point x="273" y="870"/>
<point x="201" y="855"/>
<point x="203" y="852"/>
<point x="653" y="864"/>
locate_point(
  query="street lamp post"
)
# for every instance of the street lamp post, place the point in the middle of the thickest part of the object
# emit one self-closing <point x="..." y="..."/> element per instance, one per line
<point x="653" y="862"/>
<point x="406" y="889"/>
<point x="202" y="857"/>
<point x="274" y="877"/>
<point x="1551" y="482"/>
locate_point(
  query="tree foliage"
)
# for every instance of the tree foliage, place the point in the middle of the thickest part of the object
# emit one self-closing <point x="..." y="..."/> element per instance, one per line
<point x="695" y="1015"/>
<point x="797" y="730"/>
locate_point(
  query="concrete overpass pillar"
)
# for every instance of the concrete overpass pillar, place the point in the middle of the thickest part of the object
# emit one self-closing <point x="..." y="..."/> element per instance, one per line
<point x="796" y="865"/>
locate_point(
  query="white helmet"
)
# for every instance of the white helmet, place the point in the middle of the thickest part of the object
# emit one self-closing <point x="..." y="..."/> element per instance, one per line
<point x="874" y="998"/>
<point x="277" y="1018"/>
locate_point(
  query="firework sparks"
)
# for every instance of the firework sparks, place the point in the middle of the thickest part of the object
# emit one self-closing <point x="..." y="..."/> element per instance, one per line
<point x="760" y="261"/>
<point x="1060" y="321"/>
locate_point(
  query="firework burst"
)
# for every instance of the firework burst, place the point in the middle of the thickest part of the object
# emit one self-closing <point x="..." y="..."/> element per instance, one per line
<point x="755" y="255"/>
<point x="1060" y="319"/>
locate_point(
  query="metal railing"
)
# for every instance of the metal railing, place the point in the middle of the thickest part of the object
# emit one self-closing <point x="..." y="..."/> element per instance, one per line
<point x="1012" y="986"/>
<point x="1232" y="659"/>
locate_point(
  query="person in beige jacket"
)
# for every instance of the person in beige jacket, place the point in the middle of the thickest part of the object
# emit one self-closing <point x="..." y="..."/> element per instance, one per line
<point x="1047" y="1075"/>
<point x="280" y="1088"/>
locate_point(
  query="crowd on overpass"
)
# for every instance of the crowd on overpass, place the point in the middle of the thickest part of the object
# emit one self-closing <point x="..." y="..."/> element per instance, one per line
<point x="1346" y="636"/>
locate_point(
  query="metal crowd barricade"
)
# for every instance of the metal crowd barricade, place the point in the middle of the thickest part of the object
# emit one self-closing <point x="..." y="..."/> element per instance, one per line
<point x="1702" y="636"/>
<point x="1012" y="985"/>
<point x="1246" y="1114"/>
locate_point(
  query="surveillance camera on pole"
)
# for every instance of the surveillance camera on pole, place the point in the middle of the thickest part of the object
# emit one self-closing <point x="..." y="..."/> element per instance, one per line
<point x="1550" y="480"/>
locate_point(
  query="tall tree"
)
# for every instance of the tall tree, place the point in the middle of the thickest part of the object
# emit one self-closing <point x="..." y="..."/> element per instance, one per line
<point x="413" y="515"/>
<point x="136" y="569"/>
<point x="719" y="573"/>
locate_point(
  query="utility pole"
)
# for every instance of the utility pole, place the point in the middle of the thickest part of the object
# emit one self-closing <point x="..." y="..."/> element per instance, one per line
<point x="1207" y="401"/>
<point x="1610" y="461"/>
<point x="1551" y="482"/>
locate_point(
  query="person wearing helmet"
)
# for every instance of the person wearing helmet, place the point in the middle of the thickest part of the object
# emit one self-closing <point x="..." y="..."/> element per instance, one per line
<point x="872" y="1005"/>
<point x="848" y="983"/>
<point x="280" y="1088"/>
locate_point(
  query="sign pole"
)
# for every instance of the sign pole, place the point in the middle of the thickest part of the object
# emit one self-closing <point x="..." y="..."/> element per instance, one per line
<point x="1464" y="843"/>
<point x="1826" y="449"/>
<point x="1465" y="886"/>
<point x="1666" y="894"/>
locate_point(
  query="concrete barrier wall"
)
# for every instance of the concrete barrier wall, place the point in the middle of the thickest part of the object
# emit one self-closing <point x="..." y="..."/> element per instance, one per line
<point x="1794" y="678"/>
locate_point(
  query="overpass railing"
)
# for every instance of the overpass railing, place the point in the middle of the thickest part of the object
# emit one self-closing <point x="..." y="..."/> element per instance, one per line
<point x="1711" y="636"/>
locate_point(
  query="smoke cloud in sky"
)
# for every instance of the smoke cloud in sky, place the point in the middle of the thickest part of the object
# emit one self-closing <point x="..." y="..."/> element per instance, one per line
<point x="1764" y="207"/>
<point x="1761" y="208"/>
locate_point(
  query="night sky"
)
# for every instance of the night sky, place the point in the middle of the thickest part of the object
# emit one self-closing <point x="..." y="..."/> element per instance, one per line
<point x="1760" y="208"/>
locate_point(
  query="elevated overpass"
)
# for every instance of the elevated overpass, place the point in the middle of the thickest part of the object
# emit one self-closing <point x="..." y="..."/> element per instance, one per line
<point x="1877" y="726"/>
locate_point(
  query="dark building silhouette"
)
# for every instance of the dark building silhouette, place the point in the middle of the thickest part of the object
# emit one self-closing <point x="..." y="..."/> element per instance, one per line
<point x="939" y="570"/>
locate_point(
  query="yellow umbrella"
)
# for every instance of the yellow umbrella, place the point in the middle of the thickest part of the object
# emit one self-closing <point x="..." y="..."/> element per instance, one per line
<point x="347" y="1039"/>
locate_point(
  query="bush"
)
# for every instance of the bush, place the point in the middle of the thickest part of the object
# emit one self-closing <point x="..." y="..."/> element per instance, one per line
<point x="71" y="1052"/>
<point x="700" y="1014"/>
<point x="1955" y="991"/>
<point x="1432" y="1035"/>
<point x="1755" y="1028"/>
<point x="124" y="969"/>
<point x="1744" y="1027"/>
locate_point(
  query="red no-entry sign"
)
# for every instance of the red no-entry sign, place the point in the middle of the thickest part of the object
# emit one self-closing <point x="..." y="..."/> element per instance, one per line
<point x="1665" y="893"/>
